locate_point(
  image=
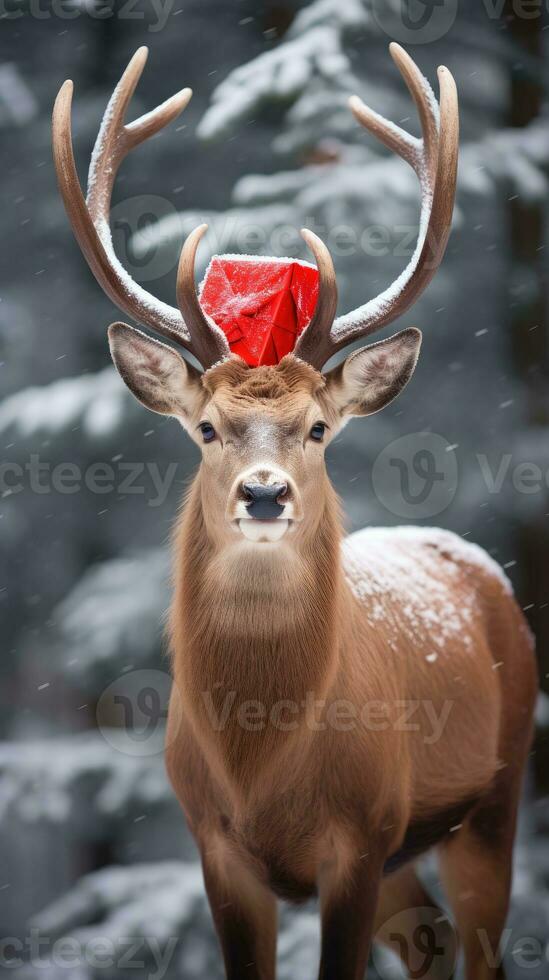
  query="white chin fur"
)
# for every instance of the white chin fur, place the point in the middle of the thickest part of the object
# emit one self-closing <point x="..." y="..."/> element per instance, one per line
<point x="263" y="530"/>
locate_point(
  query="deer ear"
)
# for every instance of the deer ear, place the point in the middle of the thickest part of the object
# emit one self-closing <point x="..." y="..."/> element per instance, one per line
<point x="371" y="377"/>
<point x="156" y="374"/>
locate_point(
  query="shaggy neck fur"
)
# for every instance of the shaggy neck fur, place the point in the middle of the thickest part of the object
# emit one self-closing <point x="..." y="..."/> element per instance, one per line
<point x="253" y="627"/>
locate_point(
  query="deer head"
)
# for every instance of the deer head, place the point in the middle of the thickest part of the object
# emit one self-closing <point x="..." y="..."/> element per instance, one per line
<point x="262" y="431"/>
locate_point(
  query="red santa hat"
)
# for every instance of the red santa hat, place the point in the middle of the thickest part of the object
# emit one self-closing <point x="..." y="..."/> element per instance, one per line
<point x="261" y="304"/>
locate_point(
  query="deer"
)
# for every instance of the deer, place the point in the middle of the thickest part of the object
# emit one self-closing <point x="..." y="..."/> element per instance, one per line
<point x="284" y="632"/>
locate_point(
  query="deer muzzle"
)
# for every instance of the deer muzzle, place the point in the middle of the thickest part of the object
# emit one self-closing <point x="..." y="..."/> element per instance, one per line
<point x="263" y="505"/>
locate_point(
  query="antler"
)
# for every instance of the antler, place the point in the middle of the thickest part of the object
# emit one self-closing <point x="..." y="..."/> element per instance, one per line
<point x="204" y="332"/>
<point x="434" y="159"/>
<point x="90" y="217"/>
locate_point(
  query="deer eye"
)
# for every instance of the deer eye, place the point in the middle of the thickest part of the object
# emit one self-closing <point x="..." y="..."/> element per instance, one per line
<point x="208" y="431"/>
<point x="317" y="431"/>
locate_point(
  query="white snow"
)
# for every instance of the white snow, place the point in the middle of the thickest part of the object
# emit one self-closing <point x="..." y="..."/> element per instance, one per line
<point x="360" y="319"/>
<point x="96" y="402"/>
<point x="312" y="50"/>
<point x="46" y="779"/>
<point x="452" y="544"/>
<point x="237" y="257"/>
<point x="96" y="161"/>
<point x="114" y="614"/>
<point x="359" y="191"/>
<point x="18" y="103"/>
<point x="161" y="313"/>
<point x="348" y="325"/>
<point x="404" y="562"/>
<point x="542" y="710"/>
<point x="154" y="900"/>
<point x="226" y="230"/>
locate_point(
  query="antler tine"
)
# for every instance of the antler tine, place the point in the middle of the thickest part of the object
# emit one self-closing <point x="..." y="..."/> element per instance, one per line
<point x="90" y="219"/>
<point x="111" y="145"/>
<point x="313" y="338"/>
<point x="208" y="341"/>
<point x="428" y="110"/>
<point x="434" y="159"/>
<point x="115" y="139"/>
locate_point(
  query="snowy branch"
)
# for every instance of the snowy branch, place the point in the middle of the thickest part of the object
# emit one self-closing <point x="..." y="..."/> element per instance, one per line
<point x="360" y="190"/>
<point x="96" y="404"/>
<point x="60" y="779"/>
<point x="131" y="901"/>
<point x="164" y="905"/>
<point x="312" y="49"/>
<point x="114" y="616"/>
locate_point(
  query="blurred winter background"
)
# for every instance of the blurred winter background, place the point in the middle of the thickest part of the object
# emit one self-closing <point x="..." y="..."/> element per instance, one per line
<point x="98" y="876"/>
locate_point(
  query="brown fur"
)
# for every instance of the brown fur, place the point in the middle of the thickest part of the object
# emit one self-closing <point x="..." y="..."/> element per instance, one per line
<point x="268" y="384"/>
<point x="287" y="808"/>
<point x="313" y="807"/>
<point x="273" y="645"/>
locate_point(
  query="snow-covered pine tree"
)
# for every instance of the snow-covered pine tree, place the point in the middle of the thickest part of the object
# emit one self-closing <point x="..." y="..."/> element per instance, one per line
<point x="99" y="828"/>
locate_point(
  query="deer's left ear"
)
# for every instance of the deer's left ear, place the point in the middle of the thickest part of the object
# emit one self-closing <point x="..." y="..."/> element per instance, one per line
<point x="156" y="374"/>
<point x="371" y="377"/>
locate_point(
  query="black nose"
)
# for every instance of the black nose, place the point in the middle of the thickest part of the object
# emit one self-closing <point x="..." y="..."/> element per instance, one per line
<point x="263" y="500"/>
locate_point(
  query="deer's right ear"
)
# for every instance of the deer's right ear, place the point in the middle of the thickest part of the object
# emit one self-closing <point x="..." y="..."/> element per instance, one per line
<point x="371" y="377"/>
<point x="156" y="374"/>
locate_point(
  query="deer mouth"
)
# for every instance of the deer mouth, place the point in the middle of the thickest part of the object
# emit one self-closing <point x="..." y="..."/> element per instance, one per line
<point x="263" y="531"/>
